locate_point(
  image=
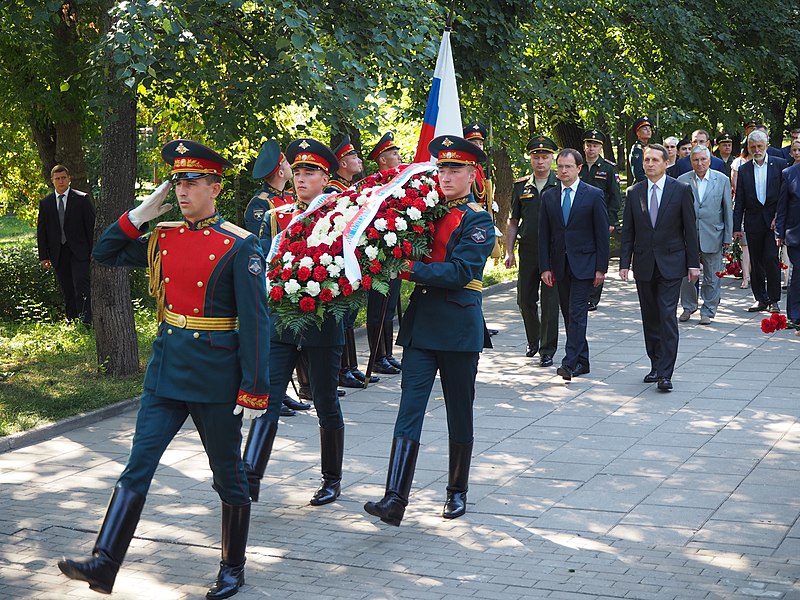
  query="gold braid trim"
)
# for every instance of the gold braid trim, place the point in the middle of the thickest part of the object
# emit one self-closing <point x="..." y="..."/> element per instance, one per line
<point x="156" y="284"/>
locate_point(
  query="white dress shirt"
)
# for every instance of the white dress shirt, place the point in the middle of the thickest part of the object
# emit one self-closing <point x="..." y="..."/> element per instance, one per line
<point x="659" y="185"/>
<point x="760" y="173"/>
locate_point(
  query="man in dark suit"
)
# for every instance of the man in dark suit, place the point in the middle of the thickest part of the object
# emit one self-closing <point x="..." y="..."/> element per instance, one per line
<point x="700" y="137"/>
<point x="573" y="253"/>
<point x="787" y="231"/>
<point x="64" y="234"/>
<point x="659" y="229"/>
<point x="758" y="186"/>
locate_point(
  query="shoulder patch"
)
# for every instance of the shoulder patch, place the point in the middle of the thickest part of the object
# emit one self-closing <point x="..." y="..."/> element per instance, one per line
<point x="235" y="229"/>
<point x="476" y="207"/>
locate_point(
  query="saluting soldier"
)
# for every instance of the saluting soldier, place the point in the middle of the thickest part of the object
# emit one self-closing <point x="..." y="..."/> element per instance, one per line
<point x="311" y="162"/>
<point x="523" y="223"/>
<point x="206" y="275"/>
<point x="442" y="330"/>
<point x="263" y="218"/>
<point x="387" y="155"/>
<point x="643" y="128"/>
<point x="349" y="167"/>
<point x="603" y="174"/>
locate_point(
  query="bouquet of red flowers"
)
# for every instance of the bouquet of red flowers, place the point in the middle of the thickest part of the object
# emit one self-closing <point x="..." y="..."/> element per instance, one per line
<point x="306" y="275"/>
<point x="776" y="322"/>
<point x="733" y="261"/>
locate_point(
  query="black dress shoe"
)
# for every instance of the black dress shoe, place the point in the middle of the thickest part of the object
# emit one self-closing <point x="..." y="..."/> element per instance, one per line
<point x="651" y="377"/>
<point x="758" y="307"/>
<point x="361" y="376"/>
<point x="565" y="372"/>
<point x="664" y="384"/>
<point x="286" y="411"/>
<point x="592" y="306"/>
<point x="531" y="351"/>
<point x="546" y="360"/>
<point x="340" y="393"/>
<point x="290" y="402"/>
<point x="493" y="331"/>
<point x="580" y="369"/>
<point x="383" y="367"/>
<point x="394" y="362"/>
<point x="348" y="380"/>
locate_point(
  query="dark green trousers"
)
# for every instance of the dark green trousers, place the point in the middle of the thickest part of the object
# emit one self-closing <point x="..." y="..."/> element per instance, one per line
<point x="542" y="332"/>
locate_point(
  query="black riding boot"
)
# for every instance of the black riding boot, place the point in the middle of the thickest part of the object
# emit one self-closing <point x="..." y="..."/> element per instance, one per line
<point x="402" y="462"/>
<point x="113" y="539"/>
<point x="457" y="480"/>
<point x="380" y="364"/>
<point x="235" y="527"/>
<point x="331" y="442"/>
<point x="257" y="451"/>
<point x="346" y="376"/>
<point x="388" y="342"/>
<point x="303" y="380"/>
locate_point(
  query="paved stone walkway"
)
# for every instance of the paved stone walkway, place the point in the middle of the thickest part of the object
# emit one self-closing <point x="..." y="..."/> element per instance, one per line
<point x="598" y="489"/>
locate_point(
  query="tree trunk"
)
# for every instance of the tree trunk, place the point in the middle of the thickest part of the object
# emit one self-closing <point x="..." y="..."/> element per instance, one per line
<point x="69" y="152"/>
<point x="45" y="139"/>
<point x="568" y="134"/>
<point x="504" y="186"/>
<point x="117" y="348"/>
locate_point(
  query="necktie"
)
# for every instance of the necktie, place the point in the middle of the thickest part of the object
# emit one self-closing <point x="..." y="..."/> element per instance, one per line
<point x="653" y="206"/>
<point x="61" y="211"/>
<point x="566" y="205"/>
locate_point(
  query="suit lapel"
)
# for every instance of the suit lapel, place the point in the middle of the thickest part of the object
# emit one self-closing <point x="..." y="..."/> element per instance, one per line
<point x="575" y="200"/>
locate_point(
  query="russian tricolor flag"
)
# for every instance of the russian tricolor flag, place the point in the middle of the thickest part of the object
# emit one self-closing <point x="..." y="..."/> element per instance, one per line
<point x="443" y="112"/>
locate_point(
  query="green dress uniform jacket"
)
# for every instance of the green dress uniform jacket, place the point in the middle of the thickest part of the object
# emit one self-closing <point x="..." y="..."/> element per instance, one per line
<point x="636" y="161"/>
<point x="603" y="174"/>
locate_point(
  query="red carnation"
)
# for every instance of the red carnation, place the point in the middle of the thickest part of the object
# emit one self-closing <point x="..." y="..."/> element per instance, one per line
<point x="375" y="266"/>
<point x="373" y="234"/>
<point x="418" y="229"/>
<point x="303" y="273"/>
<point x="407" y="248"/>
<point x="366" y="282"/>
<point x="336" y="247"/>
<point x="286" y="274"/>
<point x="720" y="274"/>
<point x="276" y="293"/>
<point x="779" y="320"/>
<point x="357" y="252"/>
<point x="320" y="273"/>
<point x="431" y="228"/>
<point x="767" y="326"/>
<point x="390" y="224"/>
<point x="424" y="189"/>
<point x="297" y="229"/>
<point x="342" y="280"/>
<point x="397" y="252"/>
<point x="347" y="289"/>
<point x="308" y="304"/>
<point x="326" y="295"/>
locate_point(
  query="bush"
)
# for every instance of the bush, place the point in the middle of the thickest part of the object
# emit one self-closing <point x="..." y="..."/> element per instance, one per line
<point x="30" y="293"/>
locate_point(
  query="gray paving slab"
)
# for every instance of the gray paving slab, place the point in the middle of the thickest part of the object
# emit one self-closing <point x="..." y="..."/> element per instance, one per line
<point x="603" y="488"/>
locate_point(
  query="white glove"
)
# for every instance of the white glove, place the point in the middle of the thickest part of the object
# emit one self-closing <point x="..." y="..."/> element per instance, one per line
<point x="248" y="413"/>
<point x="151" y="207"/>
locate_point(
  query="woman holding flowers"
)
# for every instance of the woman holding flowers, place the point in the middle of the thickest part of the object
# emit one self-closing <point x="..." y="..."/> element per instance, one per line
<point x="443" y="330"/>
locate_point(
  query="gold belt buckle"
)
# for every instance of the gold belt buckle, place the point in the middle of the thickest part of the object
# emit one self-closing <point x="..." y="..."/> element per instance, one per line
<point x="181" y="321"/>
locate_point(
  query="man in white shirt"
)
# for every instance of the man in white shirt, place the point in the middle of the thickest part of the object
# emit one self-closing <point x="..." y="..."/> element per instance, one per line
<point x="714" y="211"/>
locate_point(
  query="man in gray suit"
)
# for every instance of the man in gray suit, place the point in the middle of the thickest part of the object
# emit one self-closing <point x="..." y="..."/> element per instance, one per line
<point x="714" y="210"/>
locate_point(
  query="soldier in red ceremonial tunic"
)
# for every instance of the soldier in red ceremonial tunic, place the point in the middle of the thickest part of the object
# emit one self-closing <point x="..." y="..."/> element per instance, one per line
<point x="210" y="359"/>
<point x="443" y="330"/>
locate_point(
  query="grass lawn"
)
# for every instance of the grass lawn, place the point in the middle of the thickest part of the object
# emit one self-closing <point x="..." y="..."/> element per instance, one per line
<point x="48" y="370"/>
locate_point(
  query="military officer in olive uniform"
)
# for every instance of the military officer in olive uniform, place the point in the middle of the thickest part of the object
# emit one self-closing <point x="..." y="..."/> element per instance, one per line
<point x="523" y="223"/>
<point x="349" y="167"/>
<point x="643" y="128"/>
<point x="602" y="174"/>
<point x="381" y="334"/>
<point x="262" y="219"/>
<point x="311" y="161"/>
<point x="443" y="330"/>
<point x="208" y="359"/>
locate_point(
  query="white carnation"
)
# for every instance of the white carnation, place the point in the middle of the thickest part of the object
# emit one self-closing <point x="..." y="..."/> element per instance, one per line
<point x="312" y="287"/>
<point x="307" y="261"/>
<point x="380" y="224"/>
<point x="288" y="257"/>
<point x="339" y="260"/>
<point x="334" y="270"/>
<point x="400" y="224"/>
<point x="414" y="213"/>
<point x="292" y="287"/>
<point x="325" y="259"/>
<point x="432" y="198"/>
<point x="334" y="288"/>
<point x="390" y="238"/>
<point x="362" y="199"/>
<point x="415" y="183"/>
<point x="399" y="193"/>
<point x="371" y="252"/>
<point x="356" y="284"/>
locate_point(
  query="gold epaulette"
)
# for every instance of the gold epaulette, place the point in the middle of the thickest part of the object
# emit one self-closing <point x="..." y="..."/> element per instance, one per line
<point x="235" y="229"/>
<point x="264" y="196"/>
<point x="476" y="207"/>
<point x="521" y="179"/>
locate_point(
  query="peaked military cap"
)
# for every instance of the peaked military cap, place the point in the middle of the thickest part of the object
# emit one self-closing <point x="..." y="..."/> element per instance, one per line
<point x="269" y="159"/>
<point x="723" y="137"/>
<point x="344" y="148"/>
<point x="475" y="131"/>
<point x="594" y="135"/>
<point x="311" y="154"/>
<point x="642" y="122"/>
<point x="385" y="143"/>
<point x="192" y="160"/>
<point x="541" y="143"/>
<point x="453" y="151"/>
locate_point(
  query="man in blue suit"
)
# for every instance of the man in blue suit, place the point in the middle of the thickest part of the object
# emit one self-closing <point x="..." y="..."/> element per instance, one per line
<point x="659" y="235"/>
<point x="443" y="330"/>
<point x="700" y="137"/>
<point x="757" y="189"/>
<point x="573" y="253"/>
<point x="787" y="231"/>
